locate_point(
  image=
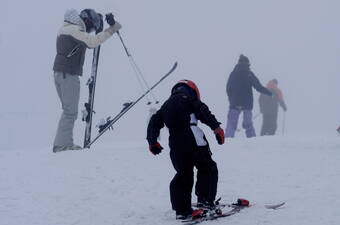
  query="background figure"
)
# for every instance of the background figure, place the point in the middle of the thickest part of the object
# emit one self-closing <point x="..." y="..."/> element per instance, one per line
<point x="240" y="94"/>
<point x="269" y="107"/>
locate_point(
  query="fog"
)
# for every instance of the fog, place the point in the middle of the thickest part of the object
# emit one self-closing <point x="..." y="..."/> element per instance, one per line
<point x="296" y="42"/>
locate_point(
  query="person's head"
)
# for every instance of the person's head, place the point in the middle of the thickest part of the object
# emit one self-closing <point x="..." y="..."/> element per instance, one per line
<point x="72" y="16"/>
<point x="275" y="81"/>
<point x="188" y="87"/>
<point x="91" y="19"/>
<point x="243" y="60"/>
<point x="272" y="83"/>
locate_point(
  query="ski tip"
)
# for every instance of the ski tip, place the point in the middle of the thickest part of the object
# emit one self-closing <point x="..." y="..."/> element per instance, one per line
<point x="275" y="206"/>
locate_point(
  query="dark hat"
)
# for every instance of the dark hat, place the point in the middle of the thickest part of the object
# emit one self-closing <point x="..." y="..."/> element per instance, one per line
<point x="243" y="60"/>
<point x="92" y="20"/>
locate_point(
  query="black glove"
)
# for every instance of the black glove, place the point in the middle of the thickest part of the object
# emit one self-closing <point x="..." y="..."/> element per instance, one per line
<point x="155" y="148"/>
<point x="110" y="19"/>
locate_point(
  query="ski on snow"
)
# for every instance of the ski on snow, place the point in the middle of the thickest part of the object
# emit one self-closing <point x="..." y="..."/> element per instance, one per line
<point x="213" y="214"/>
<point x="127" y="106"/>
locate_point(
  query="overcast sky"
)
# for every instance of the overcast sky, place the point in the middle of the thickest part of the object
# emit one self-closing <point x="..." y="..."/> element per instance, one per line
<point x="295" y="41"/>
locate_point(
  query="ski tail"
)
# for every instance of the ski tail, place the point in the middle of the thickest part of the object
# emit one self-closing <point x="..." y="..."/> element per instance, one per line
<point x="110" y="122"/>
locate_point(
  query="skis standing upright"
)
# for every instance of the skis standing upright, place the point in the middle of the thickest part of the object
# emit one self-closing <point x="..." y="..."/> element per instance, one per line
<point x="91" y="83"/>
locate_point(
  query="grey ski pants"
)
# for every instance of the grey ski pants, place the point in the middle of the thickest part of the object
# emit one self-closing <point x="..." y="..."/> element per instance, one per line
<point x="247" y="124"/>
<point x="68" y="89"/>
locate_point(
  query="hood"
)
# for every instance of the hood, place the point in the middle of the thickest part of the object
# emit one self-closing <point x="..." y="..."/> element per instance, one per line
<point x="241" y="67"/>
<point x="72" y="16"/>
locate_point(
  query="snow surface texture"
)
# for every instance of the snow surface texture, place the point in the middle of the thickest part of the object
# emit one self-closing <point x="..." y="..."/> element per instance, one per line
<point x="118" y="181"/>
<point x="123" y="183"/>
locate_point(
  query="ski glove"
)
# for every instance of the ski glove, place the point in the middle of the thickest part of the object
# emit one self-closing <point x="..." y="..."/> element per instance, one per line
<point x="219" y="134"/>
<point x="155" y="148"/>
<point x="110" y="19"/>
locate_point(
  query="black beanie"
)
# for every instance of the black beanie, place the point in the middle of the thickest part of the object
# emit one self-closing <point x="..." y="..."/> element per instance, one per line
<point x="243" y="60"/>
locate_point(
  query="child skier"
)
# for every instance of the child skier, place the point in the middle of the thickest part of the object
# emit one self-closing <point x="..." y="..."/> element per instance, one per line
<point x="269" y="107"/>
<point x="189" y="147"/>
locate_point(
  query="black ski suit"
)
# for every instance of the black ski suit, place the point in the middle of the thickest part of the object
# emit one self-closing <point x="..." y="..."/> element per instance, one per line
<point x="188" y="149"/>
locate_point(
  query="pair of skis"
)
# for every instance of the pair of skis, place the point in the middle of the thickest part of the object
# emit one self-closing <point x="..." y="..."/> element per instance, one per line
<point x="217" y="212"/>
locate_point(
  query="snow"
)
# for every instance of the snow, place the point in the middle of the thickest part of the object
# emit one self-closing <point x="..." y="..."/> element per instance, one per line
<point x="118" y="181"/>
<point x="123" y="183"/>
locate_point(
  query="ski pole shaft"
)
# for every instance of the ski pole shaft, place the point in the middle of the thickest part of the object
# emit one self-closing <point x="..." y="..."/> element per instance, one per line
<point x="283" y="123"/>
<point x="125" y="48"/>
<point x="135" y="67"/>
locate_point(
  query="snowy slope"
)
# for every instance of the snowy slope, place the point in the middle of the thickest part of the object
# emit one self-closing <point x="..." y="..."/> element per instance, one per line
<point x="122" y="183"/>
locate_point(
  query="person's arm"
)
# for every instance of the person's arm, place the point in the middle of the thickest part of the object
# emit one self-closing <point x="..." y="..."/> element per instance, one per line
<point x="258" y="86"/>
<point x="156" y="123"/>
<point x="203" y="113"/>
<point x="283" y="104"/>
<point x="93" y="41"/>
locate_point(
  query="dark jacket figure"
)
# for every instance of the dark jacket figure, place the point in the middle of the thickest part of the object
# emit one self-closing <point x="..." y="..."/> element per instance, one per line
<point x="240" y="94"/>
<point x="269" y="107"/>
<point x="189" y="147"/>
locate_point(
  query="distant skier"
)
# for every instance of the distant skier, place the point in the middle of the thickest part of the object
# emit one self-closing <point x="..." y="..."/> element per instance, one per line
<point x="240" y="93"/>
<point x="72" y="41"/>
<point x="189" y="147"/>
<point x="269" y="106"/>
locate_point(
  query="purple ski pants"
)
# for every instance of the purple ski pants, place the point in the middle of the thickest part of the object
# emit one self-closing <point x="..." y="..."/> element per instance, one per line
<point x="247" y="124"/>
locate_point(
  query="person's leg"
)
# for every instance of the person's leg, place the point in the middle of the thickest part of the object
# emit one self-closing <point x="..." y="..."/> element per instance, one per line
<point x="232" y="121"/>
<point x="68" y="89"/>
<point x="248" y="123"/>
<point x="265" y="125"/>
<point x="182" y="183"/>
<point x="272" y="124"/>
<point x="207" y="176"/>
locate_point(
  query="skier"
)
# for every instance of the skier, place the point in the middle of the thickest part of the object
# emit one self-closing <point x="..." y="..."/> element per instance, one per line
<point x="269" y="107"/>
<point x="189" y="147"/>
<point x="240" y="93"/>
<point x="73" y="39"/>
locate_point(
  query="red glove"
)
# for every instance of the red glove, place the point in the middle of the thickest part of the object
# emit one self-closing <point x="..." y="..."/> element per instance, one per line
<point x="219" y="134"/>
<point x="155" y="148"/>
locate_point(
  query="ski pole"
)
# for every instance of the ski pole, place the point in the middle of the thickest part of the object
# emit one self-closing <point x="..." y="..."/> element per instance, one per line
<point x="137" y="70"/>
<point x="283" y="123"/>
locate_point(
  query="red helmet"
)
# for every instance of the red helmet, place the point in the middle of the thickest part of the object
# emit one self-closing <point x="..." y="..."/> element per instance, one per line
<point x="187" y="83"/>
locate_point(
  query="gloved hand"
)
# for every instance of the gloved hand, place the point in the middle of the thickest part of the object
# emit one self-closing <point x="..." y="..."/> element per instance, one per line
<point x="155" y="148"/>
<point x="110" y="19"/>
<point x="219" y="134"/>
